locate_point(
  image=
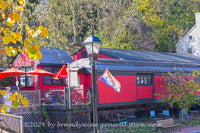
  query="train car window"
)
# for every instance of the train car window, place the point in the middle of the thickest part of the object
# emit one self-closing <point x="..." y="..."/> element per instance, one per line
<point x="144" y="79"/>
<point x="138" y="79"/>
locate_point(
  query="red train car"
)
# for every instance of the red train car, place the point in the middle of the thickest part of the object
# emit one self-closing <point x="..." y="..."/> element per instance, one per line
<point x="139" y="73"/>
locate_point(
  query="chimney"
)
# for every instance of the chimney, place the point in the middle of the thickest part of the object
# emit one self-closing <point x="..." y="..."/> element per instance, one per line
<point x="197" y="18"/>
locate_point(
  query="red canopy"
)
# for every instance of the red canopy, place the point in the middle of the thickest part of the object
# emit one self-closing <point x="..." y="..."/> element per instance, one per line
<point x="40" y="72"/>
<point x="11" y="71"/>
<point x="62" y="73"/>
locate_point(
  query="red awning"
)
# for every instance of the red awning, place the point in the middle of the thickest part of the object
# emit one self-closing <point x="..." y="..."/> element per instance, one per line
<point x="40" y="72"/>
<point x="11" y="71"/>
<point x="62" y="73"/>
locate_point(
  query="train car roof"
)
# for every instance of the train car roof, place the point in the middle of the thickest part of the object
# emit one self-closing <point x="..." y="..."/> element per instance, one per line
<point x="135" y="65"/>
<point x="148" y="55"/>
<point x="136" y="55"/>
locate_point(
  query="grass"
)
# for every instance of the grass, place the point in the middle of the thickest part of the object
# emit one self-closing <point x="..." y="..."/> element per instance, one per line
<point x="191" y="123"/>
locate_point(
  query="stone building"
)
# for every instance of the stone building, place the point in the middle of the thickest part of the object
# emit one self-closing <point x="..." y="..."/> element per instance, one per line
<point x="190" y="43"/>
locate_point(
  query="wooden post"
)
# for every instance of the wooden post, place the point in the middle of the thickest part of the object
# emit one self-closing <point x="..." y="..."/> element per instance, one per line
<point x="69" y="95"/>
<point x="39" y="97"/>
<point x="69" y="86"/>
<point x="21" y="125"/>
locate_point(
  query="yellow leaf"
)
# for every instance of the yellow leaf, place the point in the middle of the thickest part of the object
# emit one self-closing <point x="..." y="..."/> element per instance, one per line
<point x="8" y="51"/>
<point x="22" y="2"/>
<point x="24" y="102"/>
<point x="30" y="32"/>
<point x="7" y="4"/>
<point x="39" y="27"/>
<point x="3" y="5"/>
<point x="4" y="109"/>
<point x="13" y="40"/>
<point x="19" y="8"/>
<point x="3" y="92"/>
<point x="16" y="104"/>
<point x="14" y="51"/>
<point x="6" y="31"/>
<point x="2" y="15"/>
<point x="19" y="96"/>
<point x="17" y="36"/>
<point x="38" y="56"/>
<point x="27" y="28"/>
<point x="36" y="47"/>
<point x="7" y="38"/>
<point x="27" y="42"/>
<point x="45" y="32"/>
<point x="19" y="49"/>
<point x="9" y="22"/>
<point x="12" y="97"/>
<point x="12" y="18"/>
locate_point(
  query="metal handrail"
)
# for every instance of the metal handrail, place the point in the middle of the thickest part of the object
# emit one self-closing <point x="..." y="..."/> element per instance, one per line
<point x="6" y="125"/>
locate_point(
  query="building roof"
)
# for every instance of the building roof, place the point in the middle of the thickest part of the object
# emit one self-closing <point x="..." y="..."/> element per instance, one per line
<point x="149" y="56"/>
<point x="54" y="55"/>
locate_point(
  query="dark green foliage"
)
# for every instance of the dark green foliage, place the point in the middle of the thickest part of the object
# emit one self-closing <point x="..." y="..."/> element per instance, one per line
<point x="155" y="25"/>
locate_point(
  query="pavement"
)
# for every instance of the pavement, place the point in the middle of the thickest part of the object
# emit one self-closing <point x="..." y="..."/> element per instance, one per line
<point x="188" y="130"/>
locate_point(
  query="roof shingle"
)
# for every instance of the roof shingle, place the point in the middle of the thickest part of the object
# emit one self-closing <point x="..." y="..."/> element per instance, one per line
<point x="148" y="55"/>
<point x="54" y="55"/>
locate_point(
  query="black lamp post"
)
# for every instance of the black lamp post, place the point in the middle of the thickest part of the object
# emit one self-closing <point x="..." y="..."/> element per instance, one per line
<point x="92" y="45"/>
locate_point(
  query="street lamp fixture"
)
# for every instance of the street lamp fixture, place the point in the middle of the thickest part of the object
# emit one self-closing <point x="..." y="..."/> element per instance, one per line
<point x="92" y="46"/>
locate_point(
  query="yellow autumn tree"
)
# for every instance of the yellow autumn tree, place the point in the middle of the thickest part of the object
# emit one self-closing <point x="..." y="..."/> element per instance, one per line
<point x="11" y="12"/>
<point x="14" y="39"/>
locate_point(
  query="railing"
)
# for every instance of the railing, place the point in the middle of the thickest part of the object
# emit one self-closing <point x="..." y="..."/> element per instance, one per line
<point x="52" y="97"/>
<point x="33" y="96"/>
<point x="3" y="122"/>
<point x="80" y="96"/>
<point x="15" y="123"/>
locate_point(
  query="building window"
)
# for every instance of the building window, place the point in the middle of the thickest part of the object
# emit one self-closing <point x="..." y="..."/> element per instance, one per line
<point x="26" y="79"/>
<point x="144" y="79"/>
<point x="47" y="79"/>
<point x="190" y="37"/>
<point x="189" y="50"/>
<point x="76" y="79"/>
